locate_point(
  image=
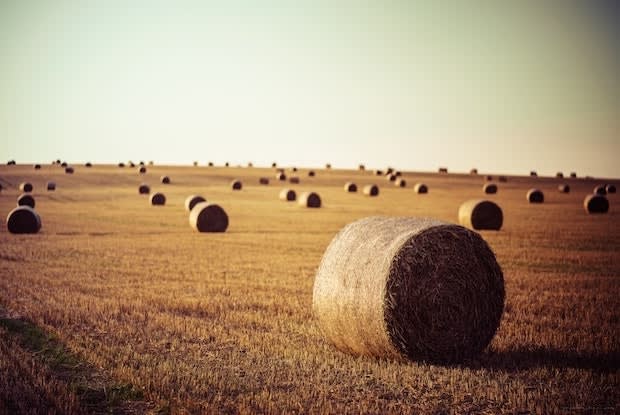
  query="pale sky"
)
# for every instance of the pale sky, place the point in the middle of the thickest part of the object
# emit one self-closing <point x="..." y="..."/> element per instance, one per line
<point x="502" y="87"/>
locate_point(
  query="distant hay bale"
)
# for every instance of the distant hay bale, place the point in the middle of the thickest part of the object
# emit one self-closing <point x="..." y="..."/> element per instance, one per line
<point x="263" y="180"/>
<point x="236" y="184"/>
<point x="11" y="163"/>
<point x="293" y="169"/>
<point x="371" y="190"/>
<point x="195" y="164"/>
<point x="51" y="186"/>
<point x="350" y="187"/>
<point x="64" y="164"/>
<point x="443" y="170"/>
<point x="227" y="164"/>
<point x="310" y="200"/>
<point x="250" y="164"/>
<point x="596" y="204"/>
<point x="142" y="170"/>
<point x="573" y="175"/>
<point x="311" y="173"/>
<point x="23" y="219"/>
<point x="69" y="170"/>
<point x="400" y="182"/>
<point x="210" y="164"/>
<point x="294" y="180"/>
<point x="158" y="199"/>
<point x="58" y="161"/>
<point x="141" y="163"/>
<point x="391" y="177"/>
<point x="281" y="176"/>
<point x="274" y="164"/>
<point x="600" y="190"/>
<point x="121" y="164"/>
<point x="165" y="179"/>
<point x="151" y="163"/>
<point x="398" y="173"/>
<point x="389" y="171"/>
<point x="489" y="178"/>
<point x="25" y="187"/>
<point x="361" y="167"/>
<point x="564" y="188"/>
<point x="288" y="195"/>
<point x="559" y="175"/>
<point x="535" y="196"/>
<point x="533" y="173"/>
<point x="409" y="288"/>
<point x="144" y="189"/>
<point x="481" y="215"/>
<point x="502" y="179"/>
<point x="26" y="199"/>
<point x="328" y="166"/>
<point x="88" y="164"/>
<point x="490" y="188"/>
<point x="37" y="167"/>
<point x="473" y="171"/>
<point x="131" y="164"/>
<point x="208" y="217"/>
<point x="420" y="188"/>
<point x="378" y="173"/>
<point x="610" y="188"/>
<point x="192" y="201"/>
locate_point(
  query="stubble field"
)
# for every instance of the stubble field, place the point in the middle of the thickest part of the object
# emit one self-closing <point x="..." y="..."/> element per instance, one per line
<point x="119" y="306"/>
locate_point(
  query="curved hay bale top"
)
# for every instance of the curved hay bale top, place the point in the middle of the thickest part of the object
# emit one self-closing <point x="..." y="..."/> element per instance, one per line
<point x="481" y="215"/>
<point x="610" y="188"/>
<point x="288" y="195"/>
<point x="535" y="196"/>
<point x="420" y="188"/>
<point x="310" y="200"/>
<point x="280" y="176"/>
<point x="489" y="188"/>
<point x="142" y="170"/>
<point x="51" y="186"/>
<point x="69" y="170"/>
<point x="158" y="199"/>
<point x="600" y="190"/>
<point x="564" y="188"/>
<point x="411" y="288"/>
<point x="165" y="179"/>
<point x="208" y="217"/>
<point x="400" y="182"/>
<point x="263" y="180"/>
<point x="144" y="189"/>
<point x="371" y="190"/>
<point x="294" y="180"/>
<point x="236" y="184"/>
<point x="596" y="204"/>
<point x="192" y="201"/>
<point x="23" y="219"/>
<point x="25" y="187"/>
<point x="26" y="199"/>
<point x="350" y="187"/>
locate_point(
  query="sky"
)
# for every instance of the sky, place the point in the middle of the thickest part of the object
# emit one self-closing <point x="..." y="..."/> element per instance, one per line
<point x="505" y="87"/>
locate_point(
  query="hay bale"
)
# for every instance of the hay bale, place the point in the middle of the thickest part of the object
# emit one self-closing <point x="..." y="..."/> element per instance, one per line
<point x="490" y="188"/>
<point x="281" y="176"/>
<point x="310" y="200"/>
<point x="26" y="199"/>
<point x="23" y="219"/>
<point x="503" y="179"/>
<point x="142" y="170"/>
<point x="69" y="170"/>
<point x="210" y="164"/>
<point x="533" y="173"/>
<point x="288" y="195"/>
<point x="227" y="164"/>
<point x="328" y="166"/>
<point x="57" y="161"/>
<point x="311" y="173"/>
<point x="131" y="164"/>
<point x="37" y="167"/>
<point x="378" y="173"/>
<point x="596" y="204"/>
<point x="121" y="164"/>
<point x="293" y="169"/>
<point x="192" y="201"/>
<point x="420" y="188"/>
<point x="409" y="288"/>
<point x="11" y="163"/>
<point x="573" y="175"/>
<point x="141" y="163"/>
<point x="250" y="164"/>
<point x="559" y="175"/>
<point x="294" y="180"/>
<point x="443" y="170"/>
<point x="389" y="171"/>
<point x="274" y="164"/>
<point x="564" y="188"/>
<point x="51" y="186"/>
<point x="535" y="196"/>
<point x="481" y="215"/>
<point x="151" y="163"/>
<point x="25" y="187"/>
<point x="610" y="188"/>
<point x="473" y="171"/>
<point x="88" y="164"/>
<point x="236" y="184"/>
<point x="195" y="164"/>
<point x="165" y="179"/>
<point x="208" y="217"/>
<point x="600" y="190"/>
<point x="361" y="167"/>
<point x="489" y="178"/>
<point x="158" y="199"/>
<point x="371" y="190"/>
<point x="391" y="177"/>
<point x="398" y="173"/>
<point x="350" y="187"/>
<point x="400" y="182"/>
<point x="64" y="164"/>
<point x="144" y="189"/>
<point x="263" y="180"/>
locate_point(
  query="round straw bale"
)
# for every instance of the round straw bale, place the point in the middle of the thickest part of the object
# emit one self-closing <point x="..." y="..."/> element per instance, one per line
<point x="192" y="201"/>
<point x="400" y="182"/>
<point x="263" y="180"/>
<point x="51" y="186"/>
<point x="420" y="188"/>
<point x="131" y="164"/>
<point x="141" y="163"/>
<point x="310" y="199"/>
<point x="443" y="170"/>
<point x="409" y="288"/>
<point x="25" y="187"/>
<point x="69" y="170"/>
<point x="250" y="164"/>
<point x="596" y="204"/>
<point x="473" y="171"/>
<point x="610" y="188"/>
<point x="88" y="164"/>
<point x="64" y="164"/>
<point x="142" y="170"/>
<point x="195" y="164"/>
<point x="328" y="166"/>
<point x="600" y="190"/>
<point x="311" y="173"/>
<point x="490" y="188"/>
<point x="227" y="164"/>
<point x="26" y="199"/>
<point x="503" y="179"/>
<point x="361" y="167"/>
<point x="280" y="176"/>
<point x="533" y="173"/>
<point x="208" y="217"/>
<point x="274" y="164"/>
<point x="371" y="190"/>
<point x="158" y="199"/>
<point x="564" y="188"/>
<point x="489" y="178"/>
<point x="535" y="196"/>
<point x="294" y="180"/>
<point x="559" y="175"/>
<point x="165" y="179"/>
<point x="288" y="195"/>
<point x="236" y="184"/>
<point x="350" y="187"/>
<point x="294" y="169"/>
<point x="481" y="215"/>
<point x="121" y="164"/>
<point x="573" y="175"/>
<point x="378" y="173"/>
<point x="391" y="177"/>
<point x="398" y="173"/>
<point x="389" y="171"/>
<point x="10" y="163"/>
<point x="37" y="167"/>
<point x="144" y="189"/>
<point x="23" y="219"/>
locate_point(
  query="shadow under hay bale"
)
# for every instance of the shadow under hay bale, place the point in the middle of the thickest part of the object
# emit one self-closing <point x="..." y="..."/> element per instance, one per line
<point x="371" y="190"/>
<point x="236" y="185"/>
<point x="600" y="190"/>
<point x="596" y="204"/>
<point x="23" y="219"/>
<point x="25" y="187"/>
<point x="400" y="182"/>
<point x="192" y="201"/>
<point x="535" y="196"/>
<point x="288" y="195"/>
<point x="420" y="188"/>
<point x="350" y="187"/>
<point x="26" y="200"/>
<point x="564" y="188"/>
<point x="51" y="186"/>
<point x="372" y="290"/>
<point x="610" y="188"/>
<point x="144" y="189"/>
<point x="165" y="179"/>
<point x="489" y="188"/>
<point x="208" y="217"/>
<point x="310" y="200"/>
<point x="263" y="180"/>
<point x="481" y="215"/>
<point x="158" y="199"/>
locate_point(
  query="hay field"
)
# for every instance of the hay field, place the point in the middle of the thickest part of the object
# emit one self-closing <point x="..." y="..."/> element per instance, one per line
<point x="119" y="306"/>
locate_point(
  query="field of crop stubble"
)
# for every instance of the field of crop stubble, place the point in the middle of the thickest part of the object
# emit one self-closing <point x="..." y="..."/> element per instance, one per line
<point x="117" y="305"/>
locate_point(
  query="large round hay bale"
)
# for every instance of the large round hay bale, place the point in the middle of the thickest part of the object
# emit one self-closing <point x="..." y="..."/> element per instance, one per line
<point x="443" y="170"/>
<point x="26" y="199"/>
<point x="473" y="171"/>
<point x="288" y="195"/>
<point x="391" y="177"/>
<point x="535" y="196"/>
<point x="596" y="204"/>
<point x="121" y="164"/>
<point x="37" y="167"/>
<point x="400" y="182"/>
<point x="489" y="188"/>
<point x="311" y="173"/>
<point x="412" y="288"/>
<point x="573" y="175"/>
<point x="371" y="190"/>
<point x="144" y="189"/>
<point x="294" y="180"/>
<point x="564" y="188"/>
<point x="158" y="199"/>
<point x="165" y="179"/>
<point x="350" y="187"/>
<point x="533" y="173"/>
<point x="600" y="190"/>
<point x="378" y="172"/>
<point x="361" y="167"/>
<point x="328" y="166"/>
<point x="420" y="188"/>
<point x="25" y="187"/>
<point x="559" y="175"/>
<point x="69" y="170"/>
<point x="208" y="217"/>
<point x="192" y="201"/>
<point x="142" y="170"/>
<point x="310" y="200"/>
<point x="263" y="180"/>
<point x="280" y="176"/>
<point x="51" y="186"/>
<point x="236" y="185"/>
<point x="610" y="188"/>
<point x="23" y="219"/>
<point x="88" y="164"/>
<point x="481" y="215"/>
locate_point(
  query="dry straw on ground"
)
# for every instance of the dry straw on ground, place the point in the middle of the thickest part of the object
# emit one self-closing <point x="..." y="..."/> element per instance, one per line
<point x="535" y="196"/>
<point x="192" y="201"/>
<point x="564" y="188"/>
<point x="350" y="187"/>
<point x="371" y="190"/>
<point x="411" y="288"/>
<point x="26" y="199"/>
<point x="596" y="204"/>
<point x="420" y="188"/>
<point x="208" y="217"/>
<point x="26" y="187"/>
<point x="489" y="188"/>
<point x="158" y="199"/>
<point x="144" y="189"/>
<point x="236" y="185"/>
<point x="23" y="219"/>
<point x="481" y="215"/>
<point x="310" y="200"/>
<point x="165" y="179"/>
<point x="288" y="195"/>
